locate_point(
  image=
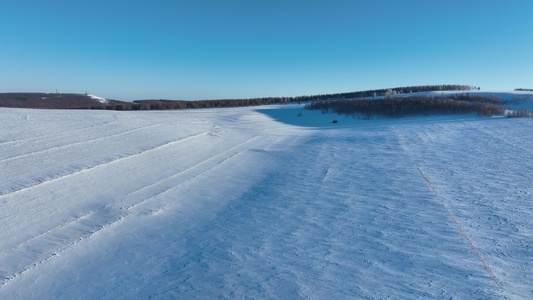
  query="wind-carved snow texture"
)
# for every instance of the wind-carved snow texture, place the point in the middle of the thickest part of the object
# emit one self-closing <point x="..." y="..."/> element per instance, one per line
<point x="263" y="203"/>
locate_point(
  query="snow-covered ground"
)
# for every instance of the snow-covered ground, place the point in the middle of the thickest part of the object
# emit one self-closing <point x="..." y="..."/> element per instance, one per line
<point x="263" y="203"/>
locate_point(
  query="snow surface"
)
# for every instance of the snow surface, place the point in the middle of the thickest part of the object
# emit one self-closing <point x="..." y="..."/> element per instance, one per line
<point x="261" y="203"/>
<point x="100" y="99"/>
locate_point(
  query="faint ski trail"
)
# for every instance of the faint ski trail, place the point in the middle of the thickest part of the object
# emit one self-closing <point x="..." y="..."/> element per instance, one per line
<point x="40" y="248"/>
<point x="504" y="141"/>
<point x="55" y="134"/>
<point x="102" y="164"/>
<point x="203" y="169"/>
<point x="190" y="168"/>
<point x="59" y="239"/>
<point x="74" y="231"/>
<point x="400" y="141"/>
<point x="463" y="232"/>
<point x="78" y="143"/>
<point x="52" y="230"/>
<point x="452" y="217"/>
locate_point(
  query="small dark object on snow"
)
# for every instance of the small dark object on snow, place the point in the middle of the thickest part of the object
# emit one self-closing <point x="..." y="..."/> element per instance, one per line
<point x="335" y="121"/>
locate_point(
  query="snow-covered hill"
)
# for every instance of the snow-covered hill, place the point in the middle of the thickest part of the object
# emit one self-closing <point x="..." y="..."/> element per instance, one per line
<point x="510" y="96"/>
<point x="99" y="99"/>
<point x="263" y="203"/>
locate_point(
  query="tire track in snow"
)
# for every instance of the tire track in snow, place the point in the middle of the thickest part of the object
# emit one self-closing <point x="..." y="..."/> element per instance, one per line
<point x="148" y="186"/>
<point x="102" y="164"/>
<point x="43" y="247"/>
<point x="188" y="168"/>
<point x="452" y="217"/>
<point x="191" y="169"/>
<point x="46" y="245"/>
<point x="56" y="134"/>
<point x="463" y="232"/>
<point x="404" y="148"/>
<point x="55" y="242"/>
<point x="50" y="231"/>
<point x="78" y="143"/>
<point x="503" y="140"/>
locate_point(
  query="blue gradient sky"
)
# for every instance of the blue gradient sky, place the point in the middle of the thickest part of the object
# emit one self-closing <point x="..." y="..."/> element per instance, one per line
<point x="241" y="49"/>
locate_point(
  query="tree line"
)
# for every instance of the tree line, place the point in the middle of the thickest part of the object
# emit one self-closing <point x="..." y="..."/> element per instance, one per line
<point x="389" y="91"/>
<point x="54" y="101"/>
<point x="82" y="101"/>
<point x="397" y="107"/>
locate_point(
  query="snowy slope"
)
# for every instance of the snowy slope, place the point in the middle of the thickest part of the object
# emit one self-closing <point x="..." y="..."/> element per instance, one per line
<point x="508" y="96"/>
<point x="519" y="99"/>
<point x="261" y="203"/>
<point x="100" y="99"/>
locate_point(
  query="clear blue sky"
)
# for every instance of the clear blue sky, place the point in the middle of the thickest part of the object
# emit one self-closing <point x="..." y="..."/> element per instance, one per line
<point x="242" y="49"/>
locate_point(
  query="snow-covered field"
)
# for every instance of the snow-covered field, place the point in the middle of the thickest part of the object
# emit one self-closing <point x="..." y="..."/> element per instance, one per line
<point x="260" y="203"/>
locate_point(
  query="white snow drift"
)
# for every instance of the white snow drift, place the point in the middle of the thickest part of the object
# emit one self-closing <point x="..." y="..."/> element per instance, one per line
<point x="262" y="203"/>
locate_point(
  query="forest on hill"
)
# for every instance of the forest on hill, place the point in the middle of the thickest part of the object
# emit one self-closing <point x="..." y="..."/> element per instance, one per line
<point x="397" y="107"/>
<point x="50" y="101"/>
<point x="85" y="101"/>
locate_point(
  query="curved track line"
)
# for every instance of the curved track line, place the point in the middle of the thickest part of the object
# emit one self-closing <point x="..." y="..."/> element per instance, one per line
<point x="400" y="141"/>
<point x="190" y="168"/>
<point x="26" y="246"/>
<point x="166" y="190"/>
<point x="452" y="217"/>
<point x="55" y="241"/>
<point x="78" y="143"/>
<point x="50" y="231"/>
<point x="66" y="243"/>
<point x="503" y="140"/>
<point x="55" y="134"/>
<point x="100" y="165"/>
<point x="463" y="232"/>
<point x="92" y="212"/>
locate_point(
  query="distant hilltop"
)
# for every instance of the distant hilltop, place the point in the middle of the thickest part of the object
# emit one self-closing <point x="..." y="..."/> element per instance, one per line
<point x="88" y="101"/>
<point x="54" y="101"/>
